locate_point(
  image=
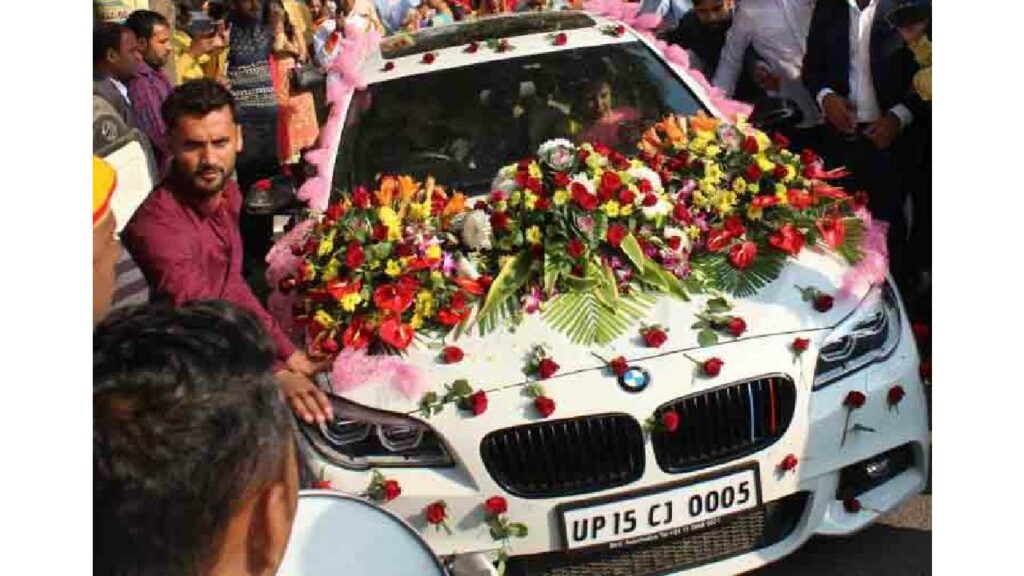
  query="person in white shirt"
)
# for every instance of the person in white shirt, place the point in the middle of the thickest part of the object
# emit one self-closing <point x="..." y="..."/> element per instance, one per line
<point x="777" y="31"/>
<point x="861" y="74"/>
<point x="326" y="39"/>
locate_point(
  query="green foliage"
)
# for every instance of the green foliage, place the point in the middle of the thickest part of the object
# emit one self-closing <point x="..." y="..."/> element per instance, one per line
<point x="587" y="319"/>
<point x="852" y="248"/>
<point x="741" y="283"/>
<point x="501" y="302"/>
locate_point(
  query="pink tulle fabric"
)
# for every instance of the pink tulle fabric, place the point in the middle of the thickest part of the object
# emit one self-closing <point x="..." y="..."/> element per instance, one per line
<point x="872" y="268"/>
<point x="645" y="25"/>
<point x="354" y="369"/>
<point x="344" y="78"/>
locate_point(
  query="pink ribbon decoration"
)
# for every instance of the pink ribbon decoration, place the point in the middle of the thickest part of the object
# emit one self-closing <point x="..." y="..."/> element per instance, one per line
<point x="874" y="265"/>
<point x="354" y="368"/>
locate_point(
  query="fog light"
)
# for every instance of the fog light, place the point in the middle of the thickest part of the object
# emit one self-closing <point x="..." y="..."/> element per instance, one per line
<point x="872" y="472"/>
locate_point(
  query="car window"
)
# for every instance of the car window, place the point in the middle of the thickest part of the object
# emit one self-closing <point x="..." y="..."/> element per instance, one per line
<point x="463" y="124"/>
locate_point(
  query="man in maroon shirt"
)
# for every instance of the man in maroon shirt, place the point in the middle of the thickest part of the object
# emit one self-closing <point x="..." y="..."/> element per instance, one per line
<point x="185" y="236"/>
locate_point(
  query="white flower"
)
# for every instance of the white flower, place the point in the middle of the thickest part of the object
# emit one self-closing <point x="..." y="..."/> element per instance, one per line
<point x="467" y="268"/>
<point x="476" y="230"/>
<point x="662" y="208"/>
<point x="559" y="154"/>
<point x="584" y="179"/>
<point x="638" y="173"/>
<point x="673" y="232"/>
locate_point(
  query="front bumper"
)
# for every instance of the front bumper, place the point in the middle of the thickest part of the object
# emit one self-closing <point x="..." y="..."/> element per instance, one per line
<point x="813" y="437"/>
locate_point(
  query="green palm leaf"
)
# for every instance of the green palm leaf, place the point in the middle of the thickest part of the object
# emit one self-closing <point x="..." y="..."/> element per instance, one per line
<point x="741" y="283"/>
<point x="586" y="319"/>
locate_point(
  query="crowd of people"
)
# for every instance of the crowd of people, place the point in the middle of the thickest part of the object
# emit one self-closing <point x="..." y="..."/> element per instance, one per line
<point x="212" y="88"/>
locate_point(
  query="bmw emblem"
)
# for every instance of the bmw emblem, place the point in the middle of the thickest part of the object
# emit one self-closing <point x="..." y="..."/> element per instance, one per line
<point x="635" y="379"/>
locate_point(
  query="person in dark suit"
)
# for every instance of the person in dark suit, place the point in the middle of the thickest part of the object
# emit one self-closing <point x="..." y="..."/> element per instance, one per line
<point x="115" y="53"/>
<point x="861" y="73"/>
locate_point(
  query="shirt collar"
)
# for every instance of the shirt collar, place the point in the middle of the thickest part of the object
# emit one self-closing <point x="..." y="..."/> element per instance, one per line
<point x="208" y="207"/>
<point x="120" y="88"/>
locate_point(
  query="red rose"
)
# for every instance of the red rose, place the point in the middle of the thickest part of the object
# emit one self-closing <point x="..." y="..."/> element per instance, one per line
<point x="499" y="221"/>
<point x="680" y="212"/>
<point x="478" y="402"/>
<point x="808" y="156"/>
<point x="852" y="505"/>
<point x="534" y="185"/>
<point x="429" y="58"/>
<point x="670" y="421"/>
<point x="823" y="302"/>
<point x="547" y="368"/>
<point x="582" y="197"/>
<point x="779" y="172"/>
<point x="322" y="484"/>
<point x="450" y="317"/>
<point x="854" y="399"/>
<point x="287" y="284"/>
<point x="644" y="186"/>
<point x="522" y="177"/>
<point x="833" y="231"/>
<point x="542" y="204"/>
<point x="788" y="463"/>
<point x="651" y="200"/>
<point x="391" y="490"/>
<point x="788" y="239"/>
<point x="619" y="30"/>
<point x="626" y="196"/>
<point x="800" y="199"/>
<point x="380" y="232"/>
<point x="545" y="406"/>
<point x="675" y="242"/>
<point x="361" y="198"/>
<point x="389" y="66"/>
<point x="618" y="366"/>
<point x="561" y="179"/>
<point x="780" y="140"/>
<point x="436" y="512"/>
<point x="354" y="256"/>
<point x="654" y="337"/>
<point x="576" y="248"/>
<point x="610" y="181"/>
<point x="712" y="366"/>
<point x="801" y="344"/>
<point x="496" y="506"/>
<point x="750" y="145"/>
<point x="895" y="395"/>
<point x="472" y="47"/>
<point x="329" y="346"/>
<point x="395" y="334"/>
<point x="615" y="235"/>
<point x="452" y="354"/>
<point x="736" y="326"/>
<point x="753" y="172"/>
<point x="561" y="38"/>
<point x="334" y="212"/>
<point x="743" y="254"/>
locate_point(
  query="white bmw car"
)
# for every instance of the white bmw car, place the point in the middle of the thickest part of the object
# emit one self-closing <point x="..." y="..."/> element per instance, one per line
<point x="766" y="455"/>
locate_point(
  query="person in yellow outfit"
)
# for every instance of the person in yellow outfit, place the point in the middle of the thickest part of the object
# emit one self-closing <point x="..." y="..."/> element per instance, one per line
<point x="301" y="19"/>
<point x="198" y="48"/>
<point x="105" y="247"/>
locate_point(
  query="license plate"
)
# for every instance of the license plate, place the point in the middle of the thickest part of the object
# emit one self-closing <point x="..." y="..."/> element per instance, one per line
<point x="662" y="514"/>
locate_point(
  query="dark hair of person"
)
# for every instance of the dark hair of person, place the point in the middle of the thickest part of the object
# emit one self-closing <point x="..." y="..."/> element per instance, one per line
<point x="142" y="22"/>
<point x="289" y="29"/>
<point x="196" y="98"/>
<point x="182" y="15"/>
<point x="187" y="420"/>
<point x="217" y="11"/>
<point x="106" y="36"/>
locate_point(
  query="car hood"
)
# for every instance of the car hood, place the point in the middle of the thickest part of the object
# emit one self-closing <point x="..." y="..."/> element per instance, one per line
<point x="496" y="361"/>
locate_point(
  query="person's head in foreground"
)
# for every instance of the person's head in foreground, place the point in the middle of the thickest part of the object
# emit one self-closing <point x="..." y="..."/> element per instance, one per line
<point x="194" y="469"/>
<point x="203" y="136"/>
<point x="105" y="247"/>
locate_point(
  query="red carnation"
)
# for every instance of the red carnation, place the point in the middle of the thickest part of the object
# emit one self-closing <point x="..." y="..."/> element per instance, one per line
<point x="651" y="200"/>
<point x="391" y="490"/>
<point x="436" y="513"/>
<point x="787" y="239"/>
<point x="354" y="256"/>
<point x="680" y="212"/>
<point x="615" y="235"/>
<point x="854" y="399"/>
<point x="670" y="421"/>
<point x="545" y="406"/>
<point x="779" y="172"/>
<point x="561" y="179"/>
<point x="852" y="505"/>
<point x="334" y="212"/>
<point x="789" y="463"/>
<point x="654" y="337"/>
<point x="546" y="368"/>
<point x="753" y="172"/>
<point x="712" y="366"/>
<point x="361" y="198"/>
<point x="499" y="221"/>
<point x="736" y="326"/>
<point x="626" y="196"/>
<point x="780" y="140"/>
<point x="561" y="38"/>
<point x="581" y="196"/>
<point x="895" y="395"/>
<point x="610" y="181"/>
<point x="389" y="66"/>
<point x="743" y="254"/>
<point x="801" y="344"/>
<point x="750" y="145"/>
<point x="496" y="506"/>
<point x="618" y="366"/>
<point x="542" y="204"/>
<point x="675" y="242"/>
<point x="823" y="302"/>
<point x="429" y="58"/>
<point x="452" y="354"/>
<point x="478" y="402"/>
<point x="576" y="248"/>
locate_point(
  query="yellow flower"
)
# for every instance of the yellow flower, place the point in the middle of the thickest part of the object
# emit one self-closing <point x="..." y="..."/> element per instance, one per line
<point x="531" y="200"/>
<point x="763" y="141"/>
<point x="739" y="185"/>
<point x="626" y="210"/>
<point x="790" y="173"/>
<point x="393" y="268"/>
<point x="534" y="170"/>
<point x="424" y="304"/>
<point x="560" y="197"/>
<point x="712" y="150"/>
<point x="514" y="198"/>
<point x="713" y="172"/>
<point x="388" y="216"/>
<point x="350" y="301"/>
<point x="700" y="143"/>
<point x="533" y="235"/>
<point x="416" y="322"/>
<point x="780" y="193"/>
<point x="326" y="245"/>
<point x="726" y="201"/>
<point x="693" y="232"/>
<point x="636" y="163"/>
<point x="436" y="276"/>
<point x="753" y="188"/>
<point x="611" y="208"/>
<point x="419" y="211"/>
<point x="708" y="186"/>
<point x="754" y="212"/>
<point x="374" y="264"/>
<point x="323" y="318"/>
<point x="502" y="206"/>
<point x="394" y="233"/>
<point x="331" y="270"/>
<point x="594" y="161"/>
<point x="701" y="200"/>
<point x="434" y="251"/>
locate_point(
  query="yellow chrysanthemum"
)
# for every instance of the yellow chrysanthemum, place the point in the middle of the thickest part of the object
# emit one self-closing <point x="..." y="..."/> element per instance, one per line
<point x="701" y="200"/>
<point x="560" y="197"/>
<point x="394" y="233"/>
<point x="790" y="173"/>
<point x="416" y="322"/>
<point x="780" y="194"/>
<point x="693" y="232"/>
<point x="534" y="170"/>
<point x="708" y="186"/>
<point x="611" y="208"/>
<point x="436" y="276"/>
<point x="763" y="141"/>
<point x="594" y="161"/>
<point x="350" y="301"/>
<point x="501" y="206"/>
<point x="514" y="198"/>
<point x="326" y="245"/>
<point x="754" y="212"/>
<point x="739" y="185"/>
<point x="433" y="251"/>
<point x="626" y="210"/>
<point x="533" y="235"/>
<point x="331" y="270"/>
<point x="713" y="150"/>
<point x="764" y="163"/>
<point x="713" y="172"/>
<point x="419" y="210"/>
<point x="531" y="200"/>
<point x="753" y="188"/>
<point x="323" y="318"/>
<point x="388" y="216"/>
<point x="393" y="268"/>
<point x="424" y="304"/>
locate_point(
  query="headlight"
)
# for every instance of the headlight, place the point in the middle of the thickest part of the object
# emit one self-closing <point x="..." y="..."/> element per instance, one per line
<point x="359" y="438"/>
<point x="870" y="334"/>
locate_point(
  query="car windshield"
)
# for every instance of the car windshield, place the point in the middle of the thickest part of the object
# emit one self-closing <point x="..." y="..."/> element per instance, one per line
<point x="462" y="125"/>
